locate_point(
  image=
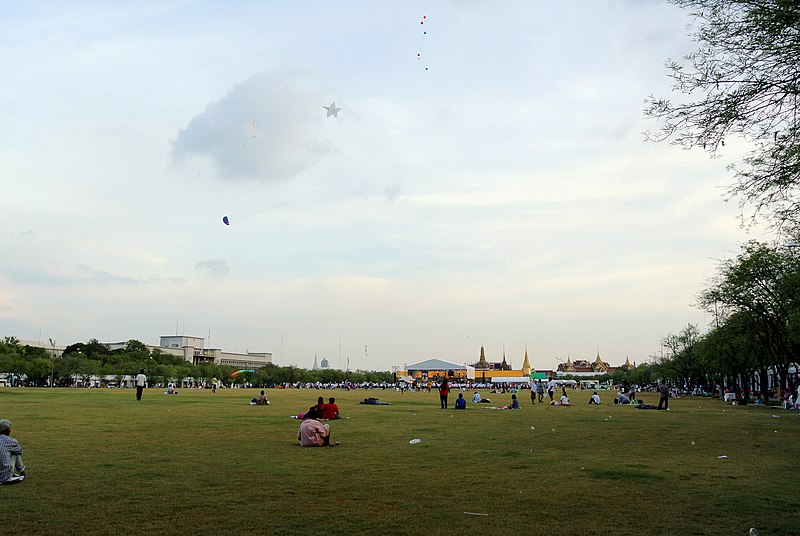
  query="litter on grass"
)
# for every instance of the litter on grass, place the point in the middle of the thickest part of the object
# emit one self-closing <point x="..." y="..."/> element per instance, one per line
<point x="474" y="514"/>
<point x="414" y="441"/>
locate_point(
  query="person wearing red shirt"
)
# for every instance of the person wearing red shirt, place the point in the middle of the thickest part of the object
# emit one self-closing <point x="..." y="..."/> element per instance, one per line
<point x="330" y="410"/>
<point x="444" y="390"/>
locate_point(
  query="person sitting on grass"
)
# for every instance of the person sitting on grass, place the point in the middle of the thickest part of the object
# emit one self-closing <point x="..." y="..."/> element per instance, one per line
<point x="460" y="402"/>
<point x="622" y="399"/>
<point x="262" y="399"/>
<point x="514" y="403"/>
<point x="594" y="399"/>
<point x="331" y="410"/>
<point x="315" y="411"/>
<point x="564" y="398"/>
<point x="313" y="433"/>
<point x="12" y="469"/>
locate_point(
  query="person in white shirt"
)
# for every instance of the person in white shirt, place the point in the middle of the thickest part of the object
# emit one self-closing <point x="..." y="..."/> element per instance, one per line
<point x="564" y="400"/>
<point x="141" y="381"/>
<point x="476" y="398"/>
<point x="551" y="389"/>
<point x="595" y="399"/>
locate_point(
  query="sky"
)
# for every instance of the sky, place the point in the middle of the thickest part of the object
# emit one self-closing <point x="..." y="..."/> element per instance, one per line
<point x="485" y="181"/>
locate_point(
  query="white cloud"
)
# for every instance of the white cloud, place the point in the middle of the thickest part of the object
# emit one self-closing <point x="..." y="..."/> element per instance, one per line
<point x="216" y="269"/>
<point x="266" y="128"/>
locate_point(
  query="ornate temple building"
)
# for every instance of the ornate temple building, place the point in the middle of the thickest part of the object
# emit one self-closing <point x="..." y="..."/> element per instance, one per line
<point x="486" y="371"/>
<point x="582" y="367"/>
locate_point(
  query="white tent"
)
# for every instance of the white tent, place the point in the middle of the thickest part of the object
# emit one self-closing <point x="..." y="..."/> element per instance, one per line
<point x="511" y="379"/>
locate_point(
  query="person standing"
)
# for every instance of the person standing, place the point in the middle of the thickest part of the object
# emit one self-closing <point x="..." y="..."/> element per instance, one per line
<point x="540" y="391"/>
<point x="141" y="381"/>
<point x="444" y="390"/>
<point x="551" y="389"/>
<point x="663" y="395"/>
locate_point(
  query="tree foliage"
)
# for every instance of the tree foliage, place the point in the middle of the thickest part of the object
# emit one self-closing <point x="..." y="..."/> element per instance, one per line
<point x="81" y="361"/>
<point x="742" y="81"/>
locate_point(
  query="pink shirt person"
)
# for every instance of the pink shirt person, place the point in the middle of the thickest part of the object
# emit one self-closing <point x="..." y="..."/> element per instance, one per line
<point x="313" y="433"/>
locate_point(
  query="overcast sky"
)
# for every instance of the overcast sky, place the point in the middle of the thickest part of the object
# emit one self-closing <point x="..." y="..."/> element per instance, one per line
<point x="485" y="181"/>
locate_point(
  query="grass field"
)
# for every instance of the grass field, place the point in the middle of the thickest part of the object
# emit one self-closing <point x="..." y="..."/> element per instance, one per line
<point x="203" y="463"/>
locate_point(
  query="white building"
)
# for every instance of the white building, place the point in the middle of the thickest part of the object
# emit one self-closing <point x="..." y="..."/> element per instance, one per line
<point x="192" y="350"/>
<point x="189" y="348"/>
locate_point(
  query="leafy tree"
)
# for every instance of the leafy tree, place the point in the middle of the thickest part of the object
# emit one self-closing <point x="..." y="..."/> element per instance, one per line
<point x="742" y="81"/>
<point x="137" y="350"/>
<point x="764" y="282"/>
<point x="731" y="349"/>
<point x="96" y="350"/>
<point x="38" y="370"/>
<point x="683" y="359"/>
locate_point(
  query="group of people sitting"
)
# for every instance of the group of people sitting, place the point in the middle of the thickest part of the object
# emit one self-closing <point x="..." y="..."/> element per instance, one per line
<point x="563" y="401"/>
<point x="461" y="402"/>
<point x="626" y="398"/>
<point x="322" y="410"/>
<point x="313" y="433"/>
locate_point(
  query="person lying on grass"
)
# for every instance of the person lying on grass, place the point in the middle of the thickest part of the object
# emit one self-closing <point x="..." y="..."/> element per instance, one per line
<point x="11" y="467"/>
<point x="478" y="399"/>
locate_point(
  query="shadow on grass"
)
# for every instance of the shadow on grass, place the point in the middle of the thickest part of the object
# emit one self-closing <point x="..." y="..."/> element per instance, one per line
<point x="622" y="474"/>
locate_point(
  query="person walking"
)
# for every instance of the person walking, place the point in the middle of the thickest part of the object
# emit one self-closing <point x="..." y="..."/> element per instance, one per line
<point x="444" y="390"/>
<point x="141" y="381"/>
<point x="551" y="389"/>
<point x="663" y="395"/>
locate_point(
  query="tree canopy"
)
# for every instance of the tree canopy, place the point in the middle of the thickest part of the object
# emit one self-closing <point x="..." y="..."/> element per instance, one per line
<point x="742" y="81"/>
<point x="80" y="361"/>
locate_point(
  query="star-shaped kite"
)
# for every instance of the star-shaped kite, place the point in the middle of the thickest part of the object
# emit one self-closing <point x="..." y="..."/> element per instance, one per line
<point x="332" y="110"/>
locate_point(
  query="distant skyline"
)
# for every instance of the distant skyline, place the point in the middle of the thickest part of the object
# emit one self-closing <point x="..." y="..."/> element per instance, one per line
<point x="484" y="181"/>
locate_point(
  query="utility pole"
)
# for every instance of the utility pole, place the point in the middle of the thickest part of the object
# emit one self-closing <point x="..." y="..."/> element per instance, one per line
<point x="52" y="360"/>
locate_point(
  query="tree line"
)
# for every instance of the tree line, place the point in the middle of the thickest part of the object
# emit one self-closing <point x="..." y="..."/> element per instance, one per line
<point x="80" y="362"/>
<point x="754" y="301"/>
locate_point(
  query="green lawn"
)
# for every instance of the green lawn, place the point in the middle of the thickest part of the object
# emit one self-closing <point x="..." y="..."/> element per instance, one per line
<point x="203" y="463"/>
